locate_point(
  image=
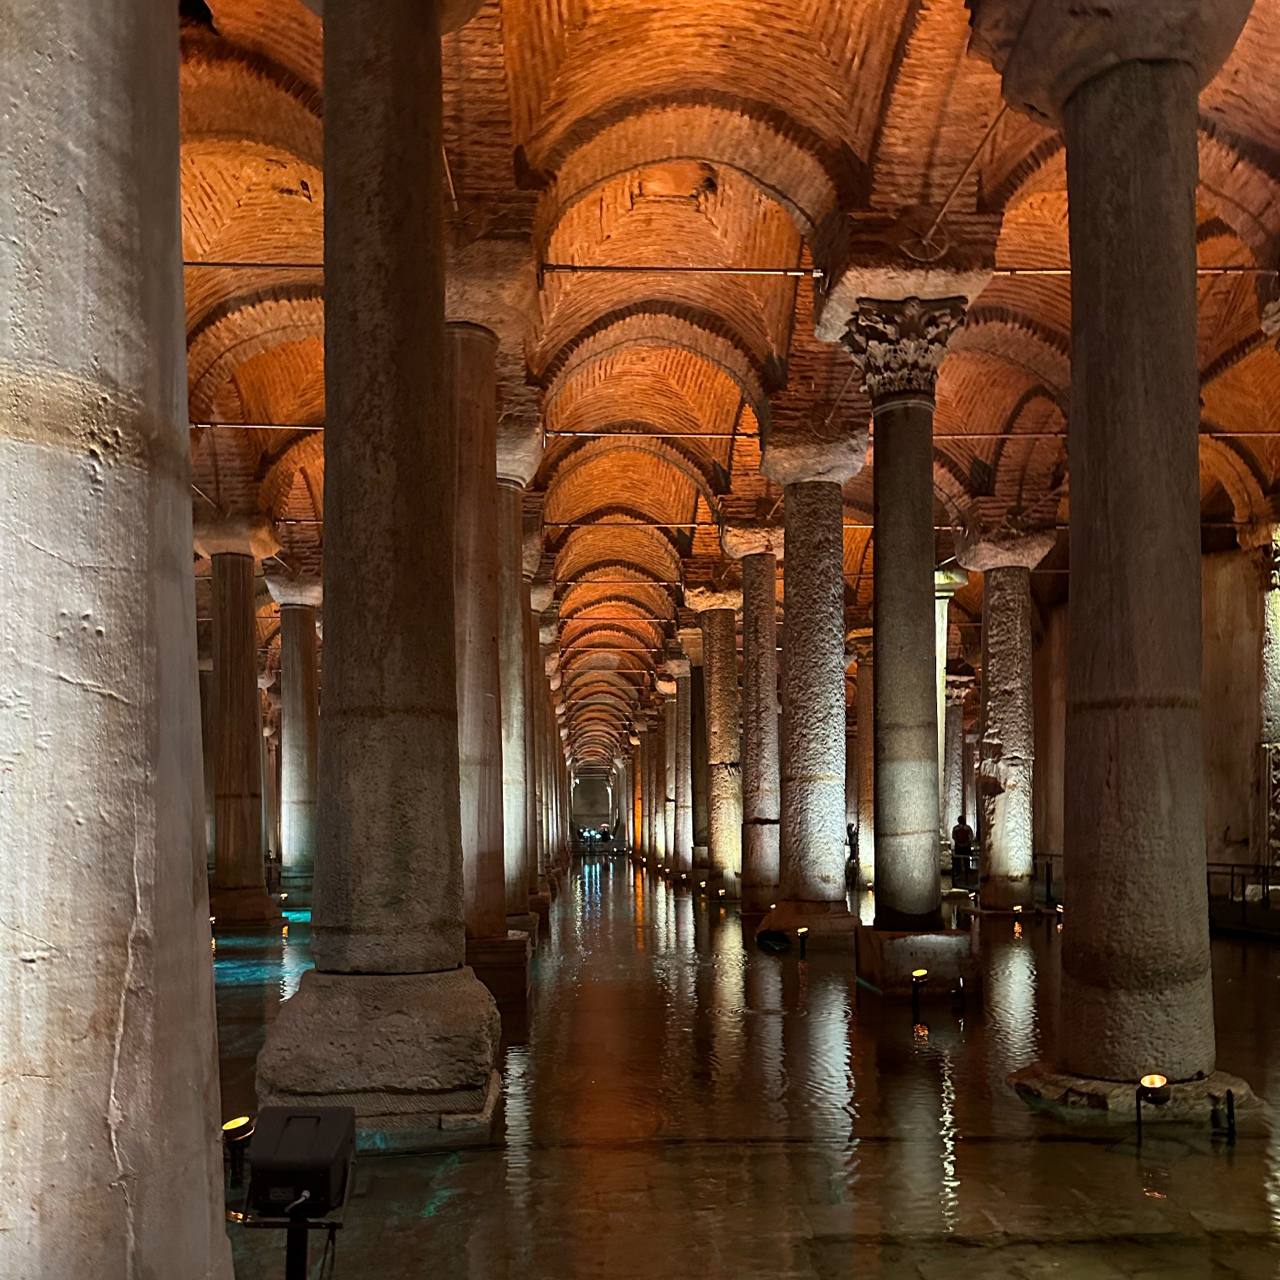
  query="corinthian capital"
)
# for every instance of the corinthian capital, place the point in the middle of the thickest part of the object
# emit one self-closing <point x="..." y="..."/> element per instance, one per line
<point x="898" y="346"/>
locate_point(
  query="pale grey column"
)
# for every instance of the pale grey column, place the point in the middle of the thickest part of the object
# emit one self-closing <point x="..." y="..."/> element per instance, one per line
<point x="691" y="639"/>
<point x="946" y="582"/>
<point x="724" y="745"/>
<point x="761" y="780"/>
<point x="208" y="701"/>
<point x="1136" y="974"/>
<point x="390" y="1019"/>
<point x="900" y="345"/>
<point x="971" y="814"/>
<point x="1266" y="538"/>
<point x="865" y="694"/>
<point x="682" y="854"/>
<point x="107" y="1049"/>
<point x="298" y="598"/>
<point x="953" y="786"/>
<point x="512" y="681"/>
<point x="813" y="836"/>
<point x="669" y="723"/>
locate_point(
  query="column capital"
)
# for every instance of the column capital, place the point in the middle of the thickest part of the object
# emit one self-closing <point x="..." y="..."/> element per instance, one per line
<point x="679" y="668"/>
<point x="703" y="599"/>
<point x="741" y="540"/>
<point x="1046" y="50"/>
<point x="691" y="643"/>
<point x="859" y="645"/>
<point x="235" y="535"/>
<point x="541" y="595"/>
<point x="946" y="582"/>
<point x="519" y="452"/>
<point x="304" y="589"/>
<point x="898" y="344"/>
<point x="1006" y="547"/>
<point x="959" y="688"/>
<point x="665" y="684"/>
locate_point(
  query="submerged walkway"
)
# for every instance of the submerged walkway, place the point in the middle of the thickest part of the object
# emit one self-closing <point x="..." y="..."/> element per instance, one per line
<point x="685" y="1105"/>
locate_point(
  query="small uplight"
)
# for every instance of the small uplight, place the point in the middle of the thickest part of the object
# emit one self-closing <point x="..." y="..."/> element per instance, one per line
<point x="1017" y="909"/>
<point x="283" y="896"/>
<point x="702" y="884"/>
<point x="1154" y="1081"/>
<point x="683" y="876"/>
<point x="213" y="919"/>
<point x="773" y="906"/>
<point x="803" y="934"/>
<point x="1059" y="908"/>
<point x="720" y="892"/>
<point x="235" y="1143"/>
<point x="918" y="975"/>
<point x="802" y="930"/>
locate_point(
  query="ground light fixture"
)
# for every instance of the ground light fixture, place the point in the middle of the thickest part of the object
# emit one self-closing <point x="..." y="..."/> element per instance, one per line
<point x="1153" y="1089"/>
<point x="918" y="979"/>
<point x="803" y="934"/>
<point x="235" y="1143"/>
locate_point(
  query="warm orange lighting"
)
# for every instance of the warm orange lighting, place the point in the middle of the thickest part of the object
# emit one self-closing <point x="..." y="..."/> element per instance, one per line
<point x="1017" y="928"/>
<point x="1154" y="1081"/>
<point x="284" y="931"/>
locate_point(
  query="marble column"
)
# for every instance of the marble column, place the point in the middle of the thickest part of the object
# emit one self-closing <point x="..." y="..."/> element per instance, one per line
<point x="953" y="785"/>
<point x="658" y="776"/>
<point x="946" y="582"/>
<point x="208" y="703"/>
<point x="813" y="836"/>
<point x="724" y="746"/>
<point x="536" y="872"/>
<point x="682" y="851"/>
<point x="970" y="769"/>
<point x="761" y="780"/>
<point x="1136" y="974"/>
<point x="1265" y="539"/>
<point x="390" y="1021"/>
<point x="667" y="686"/>
<point x="239" y="894"/>
<point x="299" y="599"/>
<point x="513" y="678"/>
<point x="691" y="642"/>
<point x="900" y="345"/>
<point x="107" y="1045"/>
<point x="1007" y="744"/>
<point x="865" y="695"/>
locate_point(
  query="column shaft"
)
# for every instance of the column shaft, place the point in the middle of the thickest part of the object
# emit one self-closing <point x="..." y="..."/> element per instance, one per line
<point x="107" y="1052"/>
<point x="908" y="885"/>
<point x="865" y="695"/>
<point x="1008" y="739"/>
<point x="724" y="744"/>
<point x="669" y="724"/>
<point x="512" y="676"/>
<point x="698" y="755"/>
<point x="761" y="782"/>
<point x="953" y="788"/>
<point x="536" y="872"/>
<point x="299" y="746"/>
<point x="812" y="855"/>
<point x="1136" y="955"/>
<point x="682" y="858"/>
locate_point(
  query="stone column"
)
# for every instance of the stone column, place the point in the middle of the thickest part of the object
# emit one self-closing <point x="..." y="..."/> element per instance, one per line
<point x="239" y="894"/>
<point x="724" y="744"/>
<point x="953" y="785"/>
<point x="1265" y="538"/>
<point x="864" y="651"/>
<point x="538" y="899"/>
<point x="106" y="1001"/>
<point x="682" y="852"/>
<point x="946" y="582"/>
<point x="758" y="550"/>
<point x="658" y="774"/>
<point x="970" y="768"/>
<point x="899" y="346"/>
<point x="668" y="688"/>
<point x="1135" y="959"/>
<point x="298" y="598"/>
<point x="390" y="1020"/>
<point x="691" y="642"/>
<point x="268" y="730"/>
<point x="1007" y="744"/>
<point x="208" y="704"/>
<point x="513" y="677"/>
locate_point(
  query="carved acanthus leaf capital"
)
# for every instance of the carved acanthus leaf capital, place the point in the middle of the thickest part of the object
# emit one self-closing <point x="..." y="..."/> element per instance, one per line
<point x="898" y="346"/>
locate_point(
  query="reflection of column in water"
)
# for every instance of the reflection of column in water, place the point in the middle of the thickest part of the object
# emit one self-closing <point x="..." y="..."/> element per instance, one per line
<point x="727" y="1039"/>
<point x="1009" y="1005"/>
<point x="950" y="1198"/>
<point x="517" y="1223"/>
<point x="763" y="1072"/>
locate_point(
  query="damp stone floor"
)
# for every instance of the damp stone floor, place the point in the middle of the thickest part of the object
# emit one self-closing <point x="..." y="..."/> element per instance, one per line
<point x="681" y="1104"/>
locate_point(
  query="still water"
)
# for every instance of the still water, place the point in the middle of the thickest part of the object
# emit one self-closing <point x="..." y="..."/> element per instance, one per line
<point x="682" y="1104"/>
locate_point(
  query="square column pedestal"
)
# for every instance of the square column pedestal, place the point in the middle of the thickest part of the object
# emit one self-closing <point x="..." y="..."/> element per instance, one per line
<point x="885" y="960"/>
<point x="413" y="1053"/>
<point x="828" y="926"/>
<point x="502" y="964"/>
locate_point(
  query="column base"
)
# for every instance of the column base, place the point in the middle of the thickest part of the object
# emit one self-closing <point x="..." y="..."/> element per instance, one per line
<point x="1083" y="1098"/>
<point x="540" y="905"/>
<point x="295" y="890"/>
<point x="414" y="1055"/>
<point x="828" y="926"/>
<point x="758" y="899"/>
<point x="728" y="881"/>
<point x="885" y="960"/>
<point x="1004" y="893"/>
<point x="525" y="923"/>
<point x="502" y="964"/>
<point x="248" y="906"/>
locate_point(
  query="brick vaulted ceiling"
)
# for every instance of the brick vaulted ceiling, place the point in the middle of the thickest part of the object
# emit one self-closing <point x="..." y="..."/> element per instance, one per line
<point x="709" y="133"/>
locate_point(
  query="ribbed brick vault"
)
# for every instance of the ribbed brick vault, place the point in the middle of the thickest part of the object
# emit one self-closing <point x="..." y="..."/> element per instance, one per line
<point x="716" y="134"/>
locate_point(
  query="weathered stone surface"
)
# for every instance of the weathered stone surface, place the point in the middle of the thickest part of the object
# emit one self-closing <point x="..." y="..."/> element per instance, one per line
<point x="1084" y="1098"/>
<point x="724" y="747"/>
<point x="761" y="780"/>
<point x="239" y="535"/>
<point x="741" y="540"/>
<point x="899" y="345"/>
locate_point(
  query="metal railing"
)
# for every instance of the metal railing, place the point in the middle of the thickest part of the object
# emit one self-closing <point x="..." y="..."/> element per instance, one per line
<point x="1244" y="897"/>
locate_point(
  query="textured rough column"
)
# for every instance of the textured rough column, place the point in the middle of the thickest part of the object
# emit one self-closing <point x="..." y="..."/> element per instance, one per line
<point x="813" y="835"/>
<point x="946" y="582"/>
<point x="970" y="767"/>
<point x="865" y="694"/>
<point x="900" y="346"/>
<point x="1136" y="953"/>
<point x="513" y="678"/>
<point x="669" y="726"/>
<point x="1266" y="837"/>
<point x="389" y="1020"/>
<point x="536" y="875"/>
<point x="108" y="1108"/>
<point x="1007" y="744"/>
<point x="724" y="744"/>
<point x="658" y="771"/>
<point x="691" y="640"/>
<point x="239" y="893"/>
<point x="761" y="781"/>
<point x="953" y="786"/>
<point x="682" y="852"/>
<point x="298" y="599"/>
<point x="208" y="701"/>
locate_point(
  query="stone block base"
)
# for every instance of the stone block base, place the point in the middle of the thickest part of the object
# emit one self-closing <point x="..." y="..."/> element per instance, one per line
<point x="502" y="964"/>
<point x="1082" y="1098"/>
<point x="295" y="891"/>
<point x="413" y="1054"/>
<point x="830" y="925"/>
<point x="540" y="905"/>
<point x="885" y="959"/>
<point x="758" y="899"/>
<point x="252" y="906"/>
<point x="526" y="923"/>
